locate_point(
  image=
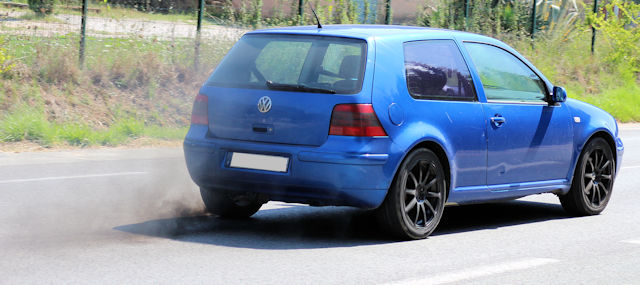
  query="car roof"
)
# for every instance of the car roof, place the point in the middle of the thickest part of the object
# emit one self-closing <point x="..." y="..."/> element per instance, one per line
<point x="377" y="31"/>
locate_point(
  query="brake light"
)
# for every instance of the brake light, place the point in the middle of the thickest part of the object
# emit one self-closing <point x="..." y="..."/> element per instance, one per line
<point x="199" y="114"/>
<point x="355" y="120"/>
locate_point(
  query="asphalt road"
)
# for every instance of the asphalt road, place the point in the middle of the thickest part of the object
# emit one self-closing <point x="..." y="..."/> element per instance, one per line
<point x="134" y="216"/>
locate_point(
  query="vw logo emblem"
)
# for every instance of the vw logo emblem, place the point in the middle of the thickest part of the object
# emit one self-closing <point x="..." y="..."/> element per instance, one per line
<point x="264" y="104"/>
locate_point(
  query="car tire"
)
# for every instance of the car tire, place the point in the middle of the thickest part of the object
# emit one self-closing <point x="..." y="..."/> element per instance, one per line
<point x="415" y="201"/>
<point x="229" y="206"/>
<point x="592" y="180"/>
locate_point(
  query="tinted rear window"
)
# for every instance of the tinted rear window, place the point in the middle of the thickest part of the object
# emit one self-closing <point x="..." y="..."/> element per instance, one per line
<point x="267" y="60"/>
<point x="435" y="69"/>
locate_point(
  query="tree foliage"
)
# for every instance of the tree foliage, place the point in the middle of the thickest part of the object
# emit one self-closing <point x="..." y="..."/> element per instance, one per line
<point x="42" y="7"/>
<point x="620" y="24"/>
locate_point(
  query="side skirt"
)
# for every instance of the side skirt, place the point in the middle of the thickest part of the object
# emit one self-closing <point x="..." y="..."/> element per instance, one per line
<point x="474" y="194"/>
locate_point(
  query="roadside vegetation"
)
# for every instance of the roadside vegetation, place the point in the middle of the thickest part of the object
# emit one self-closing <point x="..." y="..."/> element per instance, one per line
<point x="135" y="86"/>
<point x="561" y="47"/>
<point x="129" y="87"/>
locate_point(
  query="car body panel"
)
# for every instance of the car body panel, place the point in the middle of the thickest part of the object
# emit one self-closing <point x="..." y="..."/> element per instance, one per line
<point x="538" y="150"/>
<point x="294" y="118"/>
<point x="534" y="144"/>
<point x="457" y="126"/>
<point x="589" y="120"/>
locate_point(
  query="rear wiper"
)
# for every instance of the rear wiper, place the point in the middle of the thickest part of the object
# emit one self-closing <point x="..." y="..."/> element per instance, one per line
<point x="298" y="87"/>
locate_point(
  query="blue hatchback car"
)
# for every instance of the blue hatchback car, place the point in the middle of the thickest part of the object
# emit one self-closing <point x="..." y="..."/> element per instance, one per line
<point x="399" y="119"/>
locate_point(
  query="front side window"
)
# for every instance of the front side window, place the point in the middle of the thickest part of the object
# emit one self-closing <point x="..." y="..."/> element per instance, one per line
<point x="504" y="77"/>
<point x="435" y="69"/>
<point x="293" y="63"/>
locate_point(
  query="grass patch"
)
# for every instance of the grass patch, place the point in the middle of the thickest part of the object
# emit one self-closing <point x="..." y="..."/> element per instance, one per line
<point x="129" y="88"/>
<point x="29" y="124"/>
<point x="595" y="79"/>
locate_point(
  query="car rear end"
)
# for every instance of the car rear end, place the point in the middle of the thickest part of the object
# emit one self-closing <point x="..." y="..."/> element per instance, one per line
<point x="289" y="116"/>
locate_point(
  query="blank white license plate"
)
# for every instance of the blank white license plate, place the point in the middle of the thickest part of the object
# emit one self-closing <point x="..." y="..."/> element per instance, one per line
<point x="259" y="162"/>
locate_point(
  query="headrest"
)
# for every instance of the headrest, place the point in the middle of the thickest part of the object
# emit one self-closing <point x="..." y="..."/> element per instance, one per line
<point x="350" y="67"/>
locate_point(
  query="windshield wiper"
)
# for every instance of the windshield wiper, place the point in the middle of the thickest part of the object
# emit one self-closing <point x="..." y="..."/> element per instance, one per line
<point x="298" y="87"/>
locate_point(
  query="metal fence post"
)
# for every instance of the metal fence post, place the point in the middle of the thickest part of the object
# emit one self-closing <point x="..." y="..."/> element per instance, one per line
<point x="533" y="19"/>
<point x="301" y="11"/>
<point x="593" y="29"/>
<point x="387" y="16"/>
<point x="466" y="15"/>
<point x="196" y="60"/>
<point x="83" y="30"/>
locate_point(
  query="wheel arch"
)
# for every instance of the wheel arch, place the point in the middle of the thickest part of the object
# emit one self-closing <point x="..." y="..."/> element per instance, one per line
<point x="608" y="138"/>
<point x="440" y="152"/>
<point x="599" y="133"/>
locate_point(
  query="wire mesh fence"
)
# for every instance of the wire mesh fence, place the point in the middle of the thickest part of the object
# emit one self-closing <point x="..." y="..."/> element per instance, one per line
<point x="173" y="24"/>
<point x="145" y="58"/>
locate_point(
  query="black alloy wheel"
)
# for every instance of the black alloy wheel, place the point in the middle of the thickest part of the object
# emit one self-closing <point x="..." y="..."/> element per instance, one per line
<point x="593" y="180"/>
<point x="415" y="202"/>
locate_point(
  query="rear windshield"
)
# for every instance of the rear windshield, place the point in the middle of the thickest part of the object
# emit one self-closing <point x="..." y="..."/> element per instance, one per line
<point x="293" y="63"/>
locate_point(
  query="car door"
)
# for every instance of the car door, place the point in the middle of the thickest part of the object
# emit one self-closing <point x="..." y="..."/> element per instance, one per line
<point x="528" y="140"/>
<point x="444" y="99"/>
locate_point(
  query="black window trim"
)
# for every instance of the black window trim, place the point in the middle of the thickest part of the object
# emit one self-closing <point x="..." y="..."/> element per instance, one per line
<point x="439" y="98"/>
<point x="547" y="94"/>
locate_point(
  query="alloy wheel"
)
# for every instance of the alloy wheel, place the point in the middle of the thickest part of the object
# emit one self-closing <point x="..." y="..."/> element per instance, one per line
<point x="423" y="195"/>
<point x="597" y="178"/>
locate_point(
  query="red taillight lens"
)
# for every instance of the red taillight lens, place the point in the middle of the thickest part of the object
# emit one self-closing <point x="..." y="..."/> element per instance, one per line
<point x="355" y="120"/>
<point x="199" y="114"/>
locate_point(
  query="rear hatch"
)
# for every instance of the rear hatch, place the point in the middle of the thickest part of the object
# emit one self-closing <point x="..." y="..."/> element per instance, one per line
<point x="281" y="88"/>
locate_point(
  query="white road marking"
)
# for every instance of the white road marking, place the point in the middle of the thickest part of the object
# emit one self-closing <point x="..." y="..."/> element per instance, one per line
<point x="634" y="241"/>
<point x="71" y="177"/>
<point x="480" y="271"/>
<point x="629" y="167"/>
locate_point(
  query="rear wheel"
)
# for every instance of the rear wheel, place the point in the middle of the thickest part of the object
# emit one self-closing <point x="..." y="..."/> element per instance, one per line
<point x="592" y="181"/>
<point x="415" y="202"/>
<point x="230" y="206"/>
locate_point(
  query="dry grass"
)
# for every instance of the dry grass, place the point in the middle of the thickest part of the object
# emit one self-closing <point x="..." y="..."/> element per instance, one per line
<point x="124" y="82"/>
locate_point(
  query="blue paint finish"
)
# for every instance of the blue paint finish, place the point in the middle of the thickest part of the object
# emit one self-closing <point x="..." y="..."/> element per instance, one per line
<point x="343" y="158"/>
<point x="533" y="144"/>
<point x="476" y="194"/>
<point x="457" y="126"/>
<point x="535" y="149"/>
<point x="592" y="120"/>
<point x="396" y="114"/>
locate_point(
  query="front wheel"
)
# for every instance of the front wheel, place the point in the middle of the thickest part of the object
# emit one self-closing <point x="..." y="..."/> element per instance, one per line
<point x="230" y="206"/>
<point x="415" y="202"/>
<point x="592" y="181"/>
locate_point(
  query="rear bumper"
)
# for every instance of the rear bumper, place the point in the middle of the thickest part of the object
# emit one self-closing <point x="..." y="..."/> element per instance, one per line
<point x="343" y="171"/>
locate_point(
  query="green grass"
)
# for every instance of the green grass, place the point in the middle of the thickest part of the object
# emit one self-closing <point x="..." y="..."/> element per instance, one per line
<point x="595" y="79"/>
<point x="135" y="87"/>
<point x="26" y="123"/>
<point x="130" y="87"/>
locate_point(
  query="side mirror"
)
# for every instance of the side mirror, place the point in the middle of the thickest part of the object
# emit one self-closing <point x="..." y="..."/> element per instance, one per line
<point x="559" y="95"/>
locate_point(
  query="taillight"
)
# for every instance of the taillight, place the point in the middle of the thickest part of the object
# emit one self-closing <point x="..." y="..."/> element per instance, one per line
<point x="199" y="114"/>
<point x="355" y="120"/>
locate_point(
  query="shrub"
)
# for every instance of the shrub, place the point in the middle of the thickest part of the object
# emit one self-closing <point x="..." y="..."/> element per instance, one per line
<point x="622" y="32"/>
<point x="42" y="7"/>
<point x="5" y="60"/>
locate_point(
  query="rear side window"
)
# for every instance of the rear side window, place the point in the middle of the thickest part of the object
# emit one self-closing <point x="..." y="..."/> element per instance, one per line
<point x="505" y="77"/>
<point x="293" y="63"/>
<point x="435" y="69"/>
